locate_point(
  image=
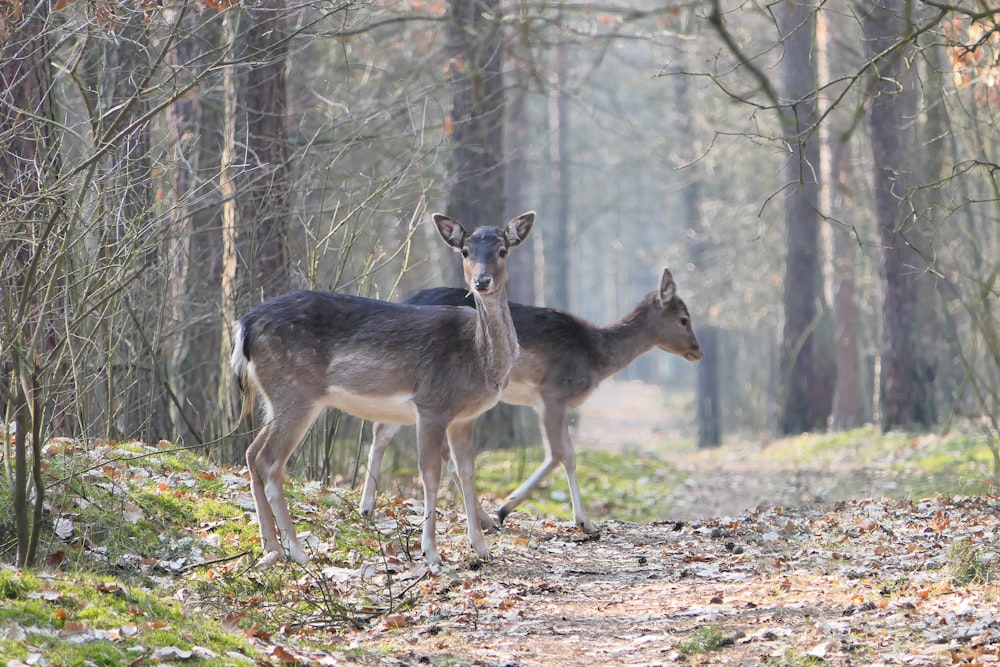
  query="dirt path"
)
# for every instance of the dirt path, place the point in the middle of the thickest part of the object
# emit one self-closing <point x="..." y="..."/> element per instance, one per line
<point x="762" y="565"/>
<point x="867" y="582"/>
<point x="631" y="416"/>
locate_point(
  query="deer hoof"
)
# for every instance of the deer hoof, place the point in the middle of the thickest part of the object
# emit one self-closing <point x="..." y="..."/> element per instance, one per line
<point x="268" y="560"/>
<point x="502" y="514"/>
<point x="297" y="555"/>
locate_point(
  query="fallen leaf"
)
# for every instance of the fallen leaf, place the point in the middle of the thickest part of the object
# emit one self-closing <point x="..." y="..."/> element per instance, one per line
<point x="282" y="654"/>
<point x="819" y="651"/>
<point x="172" y="653"/>
<point x="395" y="621"/>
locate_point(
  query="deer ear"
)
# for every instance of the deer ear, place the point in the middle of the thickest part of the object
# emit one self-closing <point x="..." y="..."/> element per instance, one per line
<point x="451" y="231"/>
<point x="667" y="287"/>
<point x="517" y="229"/>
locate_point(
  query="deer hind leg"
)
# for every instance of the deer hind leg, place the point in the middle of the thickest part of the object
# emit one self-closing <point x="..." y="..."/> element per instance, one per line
<point x="463" y="459"/>
<point x="382" y="435"/>
<point x="430" y="443"/>
<point x="266" y="459"/>
<point x="569" y="465"/>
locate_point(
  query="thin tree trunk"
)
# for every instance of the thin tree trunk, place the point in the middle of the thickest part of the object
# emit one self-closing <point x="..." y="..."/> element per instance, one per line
<point x="848" y="406"/>
<point x="28" y="161"/>
<point x="806" y="393"/>
<point x="709" y="405"/>
<point x="196" y="247"/>
<point x="558" y="232"/>
<point x="709" y="409"/>
<point x="266" y="198"/>
<point x="521" y="271"/>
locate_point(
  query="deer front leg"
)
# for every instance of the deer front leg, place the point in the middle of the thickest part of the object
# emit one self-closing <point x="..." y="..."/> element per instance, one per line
<point x="486" y="522"/>
<point x="463" y="458"/>
<point x="382" y="435"/>
<point x="430" y="443"/>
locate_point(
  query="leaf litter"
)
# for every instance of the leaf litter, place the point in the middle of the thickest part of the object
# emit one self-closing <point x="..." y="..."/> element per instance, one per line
<point x="857" y="582"/>
<point x="876" y="582"/>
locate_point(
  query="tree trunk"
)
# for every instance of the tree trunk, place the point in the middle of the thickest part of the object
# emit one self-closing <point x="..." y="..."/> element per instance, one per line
<point x="557" y="231"/>
<point x="476" y="194"/>
<point x="698" y="241"/>
<point x="256" y="194"/>
<point x="709" y="412"/>
<point x="806" y="388"/>
<point x="903" y="384"/>
<point x="848" y="405"/>
<point x="231" y="297"/>
<point x="475" y="49"/>
<point x="521" y="271"/>
<point x="196" y="239"/>
<point x="119" y="79"/>
<point x="265" y="210"/>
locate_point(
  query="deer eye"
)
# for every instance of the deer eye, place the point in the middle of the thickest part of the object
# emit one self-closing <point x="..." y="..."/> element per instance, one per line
<point x="465" y="253"/>
<point x="502" y="253"/>
<point x="685" y="321"/>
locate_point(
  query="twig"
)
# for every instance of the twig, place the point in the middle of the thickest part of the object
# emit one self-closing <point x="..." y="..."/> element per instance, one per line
<point x="207" y="563"/>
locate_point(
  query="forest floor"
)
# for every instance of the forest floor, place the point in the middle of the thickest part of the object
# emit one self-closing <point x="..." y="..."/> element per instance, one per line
<point x="760" y="560"/>
<point x="761" y="564"/>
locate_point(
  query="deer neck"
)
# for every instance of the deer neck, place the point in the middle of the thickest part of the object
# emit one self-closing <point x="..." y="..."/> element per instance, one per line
<point x="496" y="340"/>
<point x="620" y="343"/>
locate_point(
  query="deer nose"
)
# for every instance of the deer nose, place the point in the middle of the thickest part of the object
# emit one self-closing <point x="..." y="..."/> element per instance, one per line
<point x="482" y="283"/>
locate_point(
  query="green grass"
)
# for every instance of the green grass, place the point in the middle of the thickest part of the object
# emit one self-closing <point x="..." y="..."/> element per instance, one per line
<point x="702" y="639"/>
<point x="971" y="566"/>
<point x="614" y="486"/>
<point x="81" y="619"/>
<point x="959" y="463"/>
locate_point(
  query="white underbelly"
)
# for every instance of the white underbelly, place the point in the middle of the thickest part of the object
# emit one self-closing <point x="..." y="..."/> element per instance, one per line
<point x="517" y="393"/>
<point x="391" y="409"/>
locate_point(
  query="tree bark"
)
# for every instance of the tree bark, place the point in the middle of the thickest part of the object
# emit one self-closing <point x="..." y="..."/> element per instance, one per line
<point x="806" y="387"/>
<point x="848" y="404"/>
<point x="196" y="238"/>
<point x="698" y="242"/>
<point x="558" y="229"/>
<point x="267" y="189"/>
<point x="904" y="380"/>
<point x="476" y="166"/>
<point x="521" y="271"/>
<point x="478" y="169"/>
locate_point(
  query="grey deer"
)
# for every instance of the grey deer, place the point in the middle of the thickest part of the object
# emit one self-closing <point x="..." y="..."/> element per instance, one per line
<point x="563" y="360"/>
<point x="438" y="368"/>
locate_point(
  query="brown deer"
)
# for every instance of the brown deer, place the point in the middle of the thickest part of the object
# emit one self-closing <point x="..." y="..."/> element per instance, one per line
<point x="563" y="359"/>
<point x="438" y="368"/>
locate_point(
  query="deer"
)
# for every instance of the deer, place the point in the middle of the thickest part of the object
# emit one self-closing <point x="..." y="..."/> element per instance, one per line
<point x="436" y="367"/>
<point x="563" y="360"/>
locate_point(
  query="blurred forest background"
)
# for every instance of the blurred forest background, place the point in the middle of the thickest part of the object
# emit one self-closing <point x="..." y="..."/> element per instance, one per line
<point x="821" y="178"/>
